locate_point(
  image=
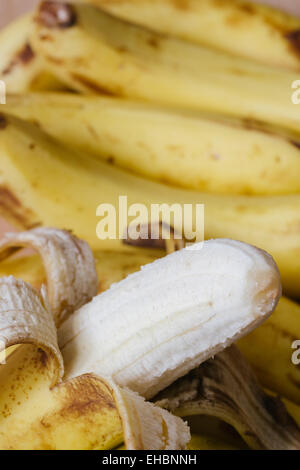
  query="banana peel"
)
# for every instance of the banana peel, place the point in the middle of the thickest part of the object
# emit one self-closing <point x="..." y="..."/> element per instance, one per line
<point x="37" y="367"/>
<point x="257" y="32"/>
<point x="225" y="387"/>
<point x="79" y="414"/>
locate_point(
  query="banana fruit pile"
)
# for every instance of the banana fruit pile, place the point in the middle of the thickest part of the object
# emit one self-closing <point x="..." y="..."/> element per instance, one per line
<point x="164" y="101"/>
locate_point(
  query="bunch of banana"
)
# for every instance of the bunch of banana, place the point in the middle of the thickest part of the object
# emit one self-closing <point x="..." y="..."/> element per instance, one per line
<point x="251" y="30"/>
<point x="133" y="358"/>
<point x="192" y="150"/>
<point x="44" y="183"/>
<point x="139" y="63"/>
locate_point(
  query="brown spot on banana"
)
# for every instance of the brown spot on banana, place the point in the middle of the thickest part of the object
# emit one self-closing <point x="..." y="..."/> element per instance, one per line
<point x="24" y="57"/>
<point x="3" y="122"/>
<point x="56" y="15"/>
<point x="13" y="210"/>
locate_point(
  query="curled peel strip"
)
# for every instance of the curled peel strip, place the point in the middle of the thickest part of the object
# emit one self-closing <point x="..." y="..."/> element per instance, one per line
<point x="24" y="318"/>
<point x="147" y="426"/>
<point x="69" y="264"/>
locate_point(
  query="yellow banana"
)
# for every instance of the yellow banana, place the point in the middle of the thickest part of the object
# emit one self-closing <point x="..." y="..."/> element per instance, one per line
<point x="21" y="68"/>
<point x="44" y="183"/>
<point x="38" y="411"/>
<point x="93" y="51"/>
<point x="239" y="27"/>
<point x="193" y="150"/>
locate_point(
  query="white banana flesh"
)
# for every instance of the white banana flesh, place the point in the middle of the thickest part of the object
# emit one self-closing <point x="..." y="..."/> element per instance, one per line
<point x="163" y="321"/>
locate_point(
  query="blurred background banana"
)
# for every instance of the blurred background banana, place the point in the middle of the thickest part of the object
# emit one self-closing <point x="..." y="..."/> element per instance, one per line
<point x="44" y="183"/>
<point x="187" y="149"/>
<point x="140" y="63"/>
<point x="238" y="27"/>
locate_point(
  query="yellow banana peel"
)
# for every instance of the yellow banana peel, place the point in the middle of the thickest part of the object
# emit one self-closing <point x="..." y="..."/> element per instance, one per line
<point x="21" y="68"/>
<point x="240" y="27"/>
<point x="193" y="150"/>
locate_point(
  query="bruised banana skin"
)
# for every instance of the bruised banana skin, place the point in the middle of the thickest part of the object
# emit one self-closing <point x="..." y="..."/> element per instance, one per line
<point x="43" y="183"/>
<point x="238" y="27"/>
<point x="192" y="150"/>
<point x="35" y="411"/>
<point x="172" y="315"/>
<point x="21" y="68"/>
<point x="96" y="52"/>
<point x="267" y="348"/>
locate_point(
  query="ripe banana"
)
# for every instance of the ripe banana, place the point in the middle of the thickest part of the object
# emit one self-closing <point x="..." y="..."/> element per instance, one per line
<point x="21" y="68"/>
<point x="196" y="151"/>
<point x="249" y="299"/>
<point x="238" y="27"/>
<point x="93" y="51"/>
<point x="43" y="183"/>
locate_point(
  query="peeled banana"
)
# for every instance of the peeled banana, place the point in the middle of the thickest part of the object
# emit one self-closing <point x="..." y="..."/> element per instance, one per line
<point x="250" y="298"/>
<point x="95" y="52"/>
<point x="238" y="27"/>
<point x="26" y="317"/>
<point x="160" y="334"/>
<point x="43" y="183"/>
<point x="193" y="150"/>
<point x="226" y="387"/>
